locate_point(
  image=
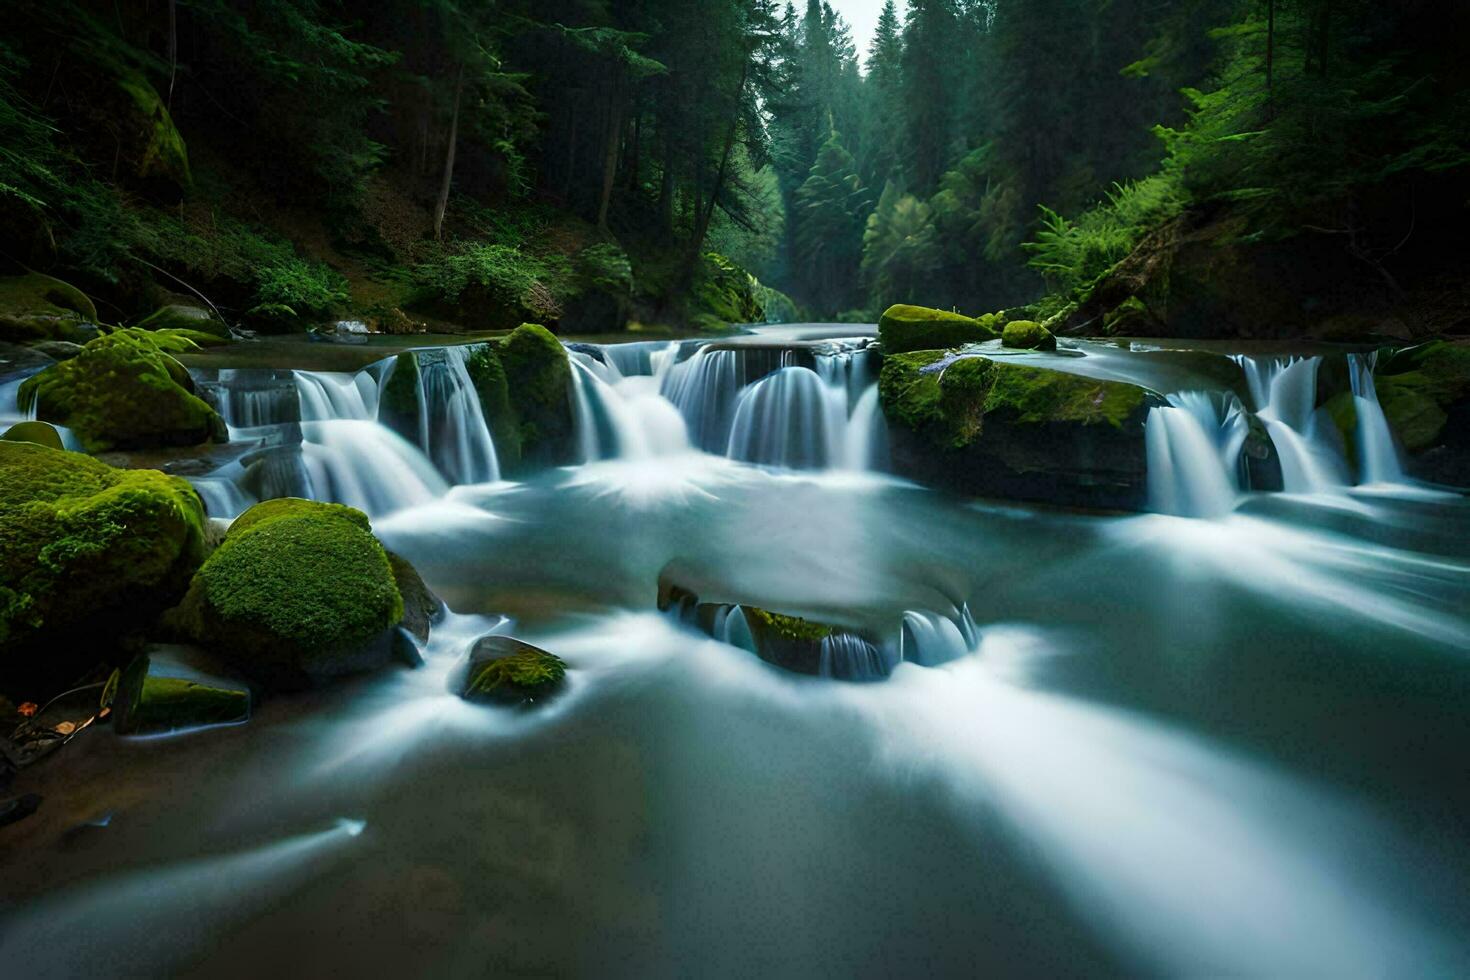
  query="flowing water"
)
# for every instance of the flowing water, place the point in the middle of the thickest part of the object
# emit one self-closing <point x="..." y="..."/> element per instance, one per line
<point x="1226" y="737"/>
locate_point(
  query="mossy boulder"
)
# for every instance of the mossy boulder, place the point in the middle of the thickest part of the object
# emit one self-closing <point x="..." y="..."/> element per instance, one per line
<point x="186" y="317"/>
<point x="724" y="294"/>
<point x="89" y="555"/>
<point x="999" y="428"/>
<point x="124" y="391"/>
<point x="400" y="401"/>
<point x="524" y="382"/>
<point x="1027" y="335"/>
<point x="156" y="149"/>
<point x="149" y="703"/>
<point x="421" y="607"/>
<point x="40" y="433"/>
<point x="1425" y="394"/>
<point x="904" y="328"/>
<point x="35" y="308"/>
<point x="297" y="593"/>
<point x="504" y="670"/>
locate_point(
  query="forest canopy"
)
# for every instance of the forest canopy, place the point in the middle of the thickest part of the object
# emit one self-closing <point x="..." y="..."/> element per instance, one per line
<point x="585" y="158"/>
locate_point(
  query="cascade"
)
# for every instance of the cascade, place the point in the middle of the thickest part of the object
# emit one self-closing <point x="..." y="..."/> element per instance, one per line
<point x="1378" y="457"/>
<point x="1193" y="447"/>
<point x="451" y="426"/>
<point x="1284" y="391"/>
<point x="790" y="418"/>
<point x="930" y="639"/>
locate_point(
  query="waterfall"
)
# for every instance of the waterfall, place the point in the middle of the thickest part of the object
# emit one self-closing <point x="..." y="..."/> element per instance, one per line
<point x="791" y="418"/>
<point x="622" y="417"/>
<point x="1285" y="394"/>
<point x="1378" y="458"/>
<point x="349" y="457"/>
<point x="930" y="639"/>
<point x="452" y="428"/>
<point x="704" y="389"/>
<point x="250" y="399"/>
<point x="849" y="657"/>
<point x="1193" y="447"/>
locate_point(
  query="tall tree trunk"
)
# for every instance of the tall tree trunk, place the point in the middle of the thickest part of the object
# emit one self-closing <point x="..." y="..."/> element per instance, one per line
<point x="635" y="147"/>
<point x="443" y="204"/>
<point x="704" y="216"/>
<point x="666" y="182"/>
<point x="610" y="154"/>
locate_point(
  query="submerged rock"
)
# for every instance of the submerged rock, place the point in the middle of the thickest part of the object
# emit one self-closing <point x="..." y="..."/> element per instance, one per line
<point x="791" y="642"/>
<point x="504" y="670"/>
<point x="124" y="391"/>
<point x="1028" y="335"/>
<point x="150" y="703"/>
<point x="998" y="428"/>
<point x="36" y="307"/>
<point x="421" y="607"/>
<point x="89" y="555"/>
<point x="298" y="592"/>
<point x="905" y="328"/>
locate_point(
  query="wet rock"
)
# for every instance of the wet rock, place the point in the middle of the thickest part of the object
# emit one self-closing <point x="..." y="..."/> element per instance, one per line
<point x="341" y="332"/>
<point x="504" y="670"/>
<point x="1003" y="429"/>
<point x="59" y="350"/>
<point x="1425" y="395"/>
<point x="184" y="315"/>
<point x="523" y="380"/>
<point x="124" y="391"/>
<point x="1028" y="335"/>
<point x="905" y="328"/>
<point x="151" y="703"/>
<point x="38" y="307"/>
<point x="421" y="607"/>
<point x="19" y="807"/>
<point x="791" y="642"/>
<point x="89" y="555"/>
<point x="298" y="593"/>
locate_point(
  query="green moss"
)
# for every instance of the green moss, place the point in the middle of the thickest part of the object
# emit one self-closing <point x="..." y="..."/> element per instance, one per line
<point x="1417" y="387"/>
<point x="163" y="153"/>
<point x="788" y="627"/>
<point x="524" y="675"/>
<point x="40" y="433"/>
<point x="1343" y="411"/>
<point x="952" y="406"/>
<point x="1028" y="335"/>
<point x="909" y="395"/>
<point x="37" y="307"/>
<point x="1029" y="394"/>
<point x="164" y="704"/>
<point x="524" y="380"/>
<point x="123" y="392"/>
<point x="905" y="328"/>
<point x="725" y="293"/>
<point x="399" y="406"/>
<point x="181" y="316"/>
<point x="294" y="586"/>
<point x="88" y="552"/>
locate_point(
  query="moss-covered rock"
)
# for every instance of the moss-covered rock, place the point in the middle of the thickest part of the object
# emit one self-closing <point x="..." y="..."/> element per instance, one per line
<point x="399" y="404"/>
<point x="123" y="391"/>
<point x="40" y="433"/>
<point x="187" y="317"/>
<point x="911" y="328"/>
<point x="89" y="555"/>
<point x="158" y="151"/>
<point x="1425" y="394"/>
<point x="724" y="294"/>
<point x="524" y="382"/>
<point x="35" y="307"/>
<point x="999" y="428"/>
<point x="504" y="670"/>
<point x="421" y="607"/>
<point x="1028" y="335"/>
<point x="298" y="592"/>
<point x="148" y="703"/>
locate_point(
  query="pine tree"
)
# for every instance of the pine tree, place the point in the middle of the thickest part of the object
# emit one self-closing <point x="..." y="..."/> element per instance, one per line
<point x="832" y="205"/>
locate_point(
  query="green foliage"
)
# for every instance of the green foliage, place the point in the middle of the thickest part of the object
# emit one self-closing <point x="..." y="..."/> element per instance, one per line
<point x="1419" y="387"/>
<point x="1073" y="254"/>
<point x="123" y="391"/>
<point x="831" y="206"/>
<point x="504" y="271"/>
<point x="725" y="293"/>
<point x="900" y="247"/>
<point x="87" y="552"/>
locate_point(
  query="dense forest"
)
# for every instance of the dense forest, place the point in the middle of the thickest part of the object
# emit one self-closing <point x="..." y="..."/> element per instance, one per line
<point x="592" y="164"/>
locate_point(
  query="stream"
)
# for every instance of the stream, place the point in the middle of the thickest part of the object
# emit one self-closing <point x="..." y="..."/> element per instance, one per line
<point x="1226" y="736"/>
